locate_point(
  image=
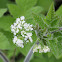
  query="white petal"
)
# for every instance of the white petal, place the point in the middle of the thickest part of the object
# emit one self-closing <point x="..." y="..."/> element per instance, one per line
<point x="23" y="22"/>
<point x="29" y="34"/>
<point x="22" y="17"/>
<point x="27" y="41"/>
<point x="14" y="39"/>
<point x="23" y="33"/>
<point x="17" y="20"/>
<point x="30" y="39"/>
<point x="14" y="33"/>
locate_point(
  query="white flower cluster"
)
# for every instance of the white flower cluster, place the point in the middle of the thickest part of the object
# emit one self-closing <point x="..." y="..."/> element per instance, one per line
<point x="22" y="29"/>
<point x="41" y="50"/>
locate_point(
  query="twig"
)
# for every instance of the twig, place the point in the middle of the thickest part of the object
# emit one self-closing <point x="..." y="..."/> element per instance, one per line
<point x="2" y="55"/>
<point x="27" y="59"/>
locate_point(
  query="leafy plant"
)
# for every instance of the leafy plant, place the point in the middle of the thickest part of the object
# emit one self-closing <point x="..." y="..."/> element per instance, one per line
<point x="46" y="34"/>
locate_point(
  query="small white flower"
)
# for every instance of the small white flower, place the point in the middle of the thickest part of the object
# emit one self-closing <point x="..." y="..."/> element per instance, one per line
<point x="14" y="33"/>
<point x="17" y="30"/>
<point x="12" y="26"/>
<point x="19" y="43"/>
<point x="15" y="24"/>
<point x="23" y="33"/>
<point x="29" y="34"/>
<point x="17" y="20"/>
<point x="12" y="30"/>
<point x="28" y="27"/>
<point x="19" y="26"/>
<point x="23" y="22"/>
<point x="39" y="47"/>
<point x="27" y="41"/>
<point x="14" y="39"/>
<point x="46" y="49"/>
<point x="22" y="17"/>
<point x="40" y="50"/>
<point x="25" y="25"/>
<point x="28" y="37"/>
<point x="36" y="48"/>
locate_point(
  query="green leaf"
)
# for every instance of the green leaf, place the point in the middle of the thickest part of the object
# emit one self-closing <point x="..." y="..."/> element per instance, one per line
<point x="57" y="34"/>
<point x="10" y="53"/>
<point x="2" y="11"/>
<point x="1" y="60"/>
<point x="5" y="22"/>
<point x="38" y="60"/>
<point x="59" y="13"/>
<point x="38" y="57"/>
<point x="15" y="10"/>
<point x="39" y="20"/>
<point x="44" y="3"/>
<point x="53" y="29"/>
<point x="8" y="36"/>
<point x="55" y="46"/>
<point x="3" y="3"/>
<point x="24" y="8"/>
<point x="31" y="21"/>
<point x="59" y="44"/>
<point x="36" y="10"/>
<point x="52" y="19"/>
<point x="4" y="43"/>
<point x="26" y="4"/>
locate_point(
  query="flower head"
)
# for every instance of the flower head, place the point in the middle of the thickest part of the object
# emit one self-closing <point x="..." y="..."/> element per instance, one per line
<point x="21" y="28"/>
<point x="41" y="50"/>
